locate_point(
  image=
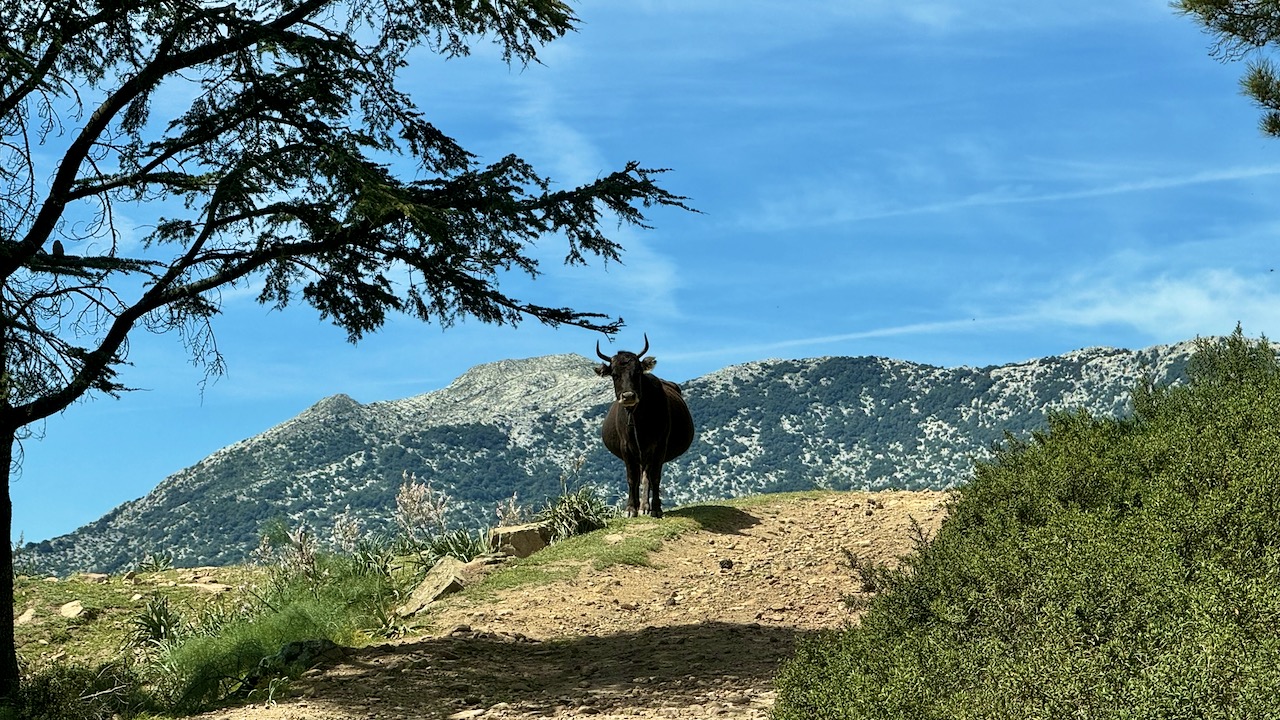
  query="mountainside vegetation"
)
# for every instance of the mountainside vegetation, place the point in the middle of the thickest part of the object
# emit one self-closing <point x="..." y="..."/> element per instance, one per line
<point x="1103" y="567"/>
<point x="530" y="428"/>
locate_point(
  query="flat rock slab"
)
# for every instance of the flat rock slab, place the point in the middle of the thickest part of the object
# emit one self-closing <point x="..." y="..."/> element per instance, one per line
<point x="444" y="578"/>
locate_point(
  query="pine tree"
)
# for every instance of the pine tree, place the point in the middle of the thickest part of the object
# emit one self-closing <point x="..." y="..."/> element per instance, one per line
<point x="276" y="173"/>
<point x="1245" y="29"/>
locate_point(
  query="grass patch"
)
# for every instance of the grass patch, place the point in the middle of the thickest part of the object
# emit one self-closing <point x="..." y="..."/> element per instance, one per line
<point x="107" y="623"/>
<point x="624" y="541"/>
<point x="164" y="643"/>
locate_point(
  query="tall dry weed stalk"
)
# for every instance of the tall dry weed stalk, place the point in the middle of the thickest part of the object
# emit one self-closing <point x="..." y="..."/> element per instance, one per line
<point x="569" y="474"/>
<point x="511" y="512"/>
<point x="348" y="531"/>
<point x="288" y="552"/>
<point x="420" y="509"/>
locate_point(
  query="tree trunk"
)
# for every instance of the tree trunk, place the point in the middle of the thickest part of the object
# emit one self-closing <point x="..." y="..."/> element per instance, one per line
<point x="9" y="674"/>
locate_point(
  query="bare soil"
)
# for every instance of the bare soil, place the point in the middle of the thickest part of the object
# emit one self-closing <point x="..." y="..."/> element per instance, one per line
<point x="701" y="634"/>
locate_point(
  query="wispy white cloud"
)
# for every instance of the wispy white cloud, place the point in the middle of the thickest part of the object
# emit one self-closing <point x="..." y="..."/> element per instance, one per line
<point x="851" y="203"/>
<point x="558" y="148"/>
<point x="815" y="343"/>
<point x="943" y="16"/>
<point x="1123" y="295"/>
<point x="1170" y="306"/>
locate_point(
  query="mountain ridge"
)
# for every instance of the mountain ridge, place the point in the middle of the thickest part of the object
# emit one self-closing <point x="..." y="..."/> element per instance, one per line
<point x="531" y="427"/>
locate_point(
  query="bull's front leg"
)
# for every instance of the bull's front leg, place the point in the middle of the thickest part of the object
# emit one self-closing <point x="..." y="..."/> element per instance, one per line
<point x="652" y="495"/>
<point x="634" y="475"/>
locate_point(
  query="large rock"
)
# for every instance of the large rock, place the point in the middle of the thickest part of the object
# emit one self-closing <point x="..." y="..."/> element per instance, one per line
<point x="73" y="609"/>
<point x="520" y="540"/>
<point x="444" y="578"/>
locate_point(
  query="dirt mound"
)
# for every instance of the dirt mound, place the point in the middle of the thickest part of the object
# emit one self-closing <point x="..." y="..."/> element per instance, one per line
<point x="700" y="634"/>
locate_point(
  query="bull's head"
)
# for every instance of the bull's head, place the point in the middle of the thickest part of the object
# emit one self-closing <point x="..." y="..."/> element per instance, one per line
<point x="626" y="369"/>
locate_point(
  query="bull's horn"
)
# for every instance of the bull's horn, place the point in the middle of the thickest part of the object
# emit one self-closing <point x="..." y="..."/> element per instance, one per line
<point x="646" y="346"/>
<point x="603" y="357"/>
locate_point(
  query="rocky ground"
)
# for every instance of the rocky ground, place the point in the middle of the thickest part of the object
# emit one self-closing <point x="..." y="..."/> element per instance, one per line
<point x="699" y="635"/>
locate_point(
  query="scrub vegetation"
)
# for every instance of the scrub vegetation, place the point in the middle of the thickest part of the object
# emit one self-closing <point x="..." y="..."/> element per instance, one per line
<point x="1102" y="568"/>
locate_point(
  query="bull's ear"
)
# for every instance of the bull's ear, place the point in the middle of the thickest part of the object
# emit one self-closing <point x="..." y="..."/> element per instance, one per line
<point x="648" y="364"/>
<point x="604" y="370"/>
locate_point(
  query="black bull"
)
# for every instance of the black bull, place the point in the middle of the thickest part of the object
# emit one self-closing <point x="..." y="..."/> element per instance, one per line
<point x="648" y="425"/>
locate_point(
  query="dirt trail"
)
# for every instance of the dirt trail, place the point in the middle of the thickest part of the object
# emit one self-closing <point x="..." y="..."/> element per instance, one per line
<point x="700" y="635"/>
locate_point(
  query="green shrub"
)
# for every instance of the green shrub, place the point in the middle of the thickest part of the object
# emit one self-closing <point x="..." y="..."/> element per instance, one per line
<point x="225" y="651"/>
<point x="79" y="692"/>
<point x="207" y="669"/>
<point x="1099" y="569"/>
<point x="157" y="624"/>
<point x="461" y="543"/>
<point x="577" y="512"/>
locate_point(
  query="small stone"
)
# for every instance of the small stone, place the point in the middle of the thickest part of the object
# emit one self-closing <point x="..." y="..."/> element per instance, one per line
<point x="726" y="564"/>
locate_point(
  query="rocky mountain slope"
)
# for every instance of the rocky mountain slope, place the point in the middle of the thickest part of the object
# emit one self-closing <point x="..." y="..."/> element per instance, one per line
<point x="530" y="427"/>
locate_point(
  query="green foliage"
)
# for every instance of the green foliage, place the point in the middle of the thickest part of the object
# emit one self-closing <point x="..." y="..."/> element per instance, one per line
<point x="185" y="651"/>
<point x="338" y="598"/>
<point x="155" y="562"/>
<point x="210" y="668"/>
<point x="78" y="692"/>
<point x="461" y="543"/>
<point x="1102" y="568"/>
<point x="157" y="623"/>
<point x="1245" y="29"/>
<point x="577" y="512"/>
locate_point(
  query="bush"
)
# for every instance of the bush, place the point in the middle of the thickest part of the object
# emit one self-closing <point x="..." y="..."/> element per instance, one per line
<point x="309" y="596"/>
<point x="577" y="512"/>
<point x="78" y="692"/>
<point x="461" y="543"/>
<point x="1100" y="569"/>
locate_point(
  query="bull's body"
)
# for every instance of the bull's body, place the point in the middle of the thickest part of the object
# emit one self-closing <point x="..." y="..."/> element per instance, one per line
<point x="648" y="424"/>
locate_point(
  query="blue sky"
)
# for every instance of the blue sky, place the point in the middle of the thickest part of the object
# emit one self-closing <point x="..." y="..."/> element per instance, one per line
<point x="950" y="183"/>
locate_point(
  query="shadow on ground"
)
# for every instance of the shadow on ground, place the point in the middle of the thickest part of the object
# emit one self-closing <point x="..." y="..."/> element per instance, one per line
<point x="671" y="667"/>
<point x="718" y="518"/>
